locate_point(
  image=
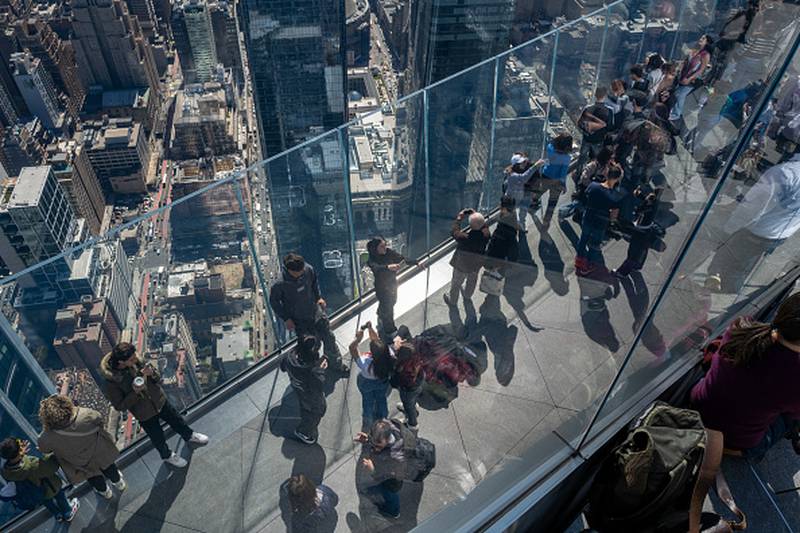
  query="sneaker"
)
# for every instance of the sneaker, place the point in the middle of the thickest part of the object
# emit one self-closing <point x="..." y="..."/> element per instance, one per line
<point x="617" y="274"/>
<point x="176" y="461"/>
<point x="412" y="428"/>
<point x="121" y="485"/>
<point x="344" y="369"/>
<point x="400" y="407"/>
<point x="447" y="300"/>
<point x="107" y="494"/>
<point x="713" y="282"/>
<point x="304" y="438"/>
<point x="198" y="438"/>
<point x="75" y="504"/>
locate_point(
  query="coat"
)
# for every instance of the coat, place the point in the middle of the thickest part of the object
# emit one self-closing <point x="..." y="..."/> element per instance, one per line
<point x="119" y="390"/>
<point x="503" y="245"/>
<point x="296" y="298"/>
<point x="37" y="471"/>
<point x="470" y="247"/>
<point x="82" y="448"/>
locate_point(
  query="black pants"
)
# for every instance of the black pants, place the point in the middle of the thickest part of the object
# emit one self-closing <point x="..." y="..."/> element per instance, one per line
<point x="98" y="483"/>
<point x="152" y="427"/>
<point x="312" y="409"/>
<point x="409" y="399"/>
<point x="387" y="297"/>
<point x="321" y="328"/>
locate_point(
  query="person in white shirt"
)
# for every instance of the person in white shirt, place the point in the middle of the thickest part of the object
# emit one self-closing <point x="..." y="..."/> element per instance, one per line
<point x="768" y="215"/>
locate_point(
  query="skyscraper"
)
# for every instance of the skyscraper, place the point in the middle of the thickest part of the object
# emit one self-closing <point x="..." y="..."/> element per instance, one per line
<point x="297" y="64"/>
<point x="110" y="48"/>
<point x="37" y="89"/>
<point x="201" y="39"/>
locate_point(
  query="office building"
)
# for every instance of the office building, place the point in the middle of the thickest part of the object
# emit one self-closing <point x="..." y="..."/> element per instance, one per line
<point x="145" y="12"/>
<point x="23" y="145"/>
<point x="135" y="104"/>
<point x="357" y="29"/>
<point x="226" y="36"/>
<point x="297" y="63"/>
<point x="110" y="48"/>
<point x="103" y="272"/>
<point x="37" y="89"/>
<point x="85" y="332"/>
<point x="74" y="172"/>
<point x="393" y="16"/>
<point x="203" y="124"/>
<point x="197" y="18"/>
<point x="119" y="154"/>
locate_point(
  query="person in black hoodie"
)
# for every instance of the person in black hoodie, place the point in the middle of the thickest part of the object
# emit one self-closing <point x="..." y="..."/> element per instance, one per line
<point x="504" y="245"/>
<point x="306" y="371"/>
<point x="469" y="255"/>
<point x="385" y="264"/>
<point x="297" y="301"/>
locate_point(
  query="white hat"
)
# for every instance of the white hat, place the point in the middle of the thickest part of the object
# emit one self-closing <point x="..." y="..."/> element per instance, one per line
<point x="516" y="159"/>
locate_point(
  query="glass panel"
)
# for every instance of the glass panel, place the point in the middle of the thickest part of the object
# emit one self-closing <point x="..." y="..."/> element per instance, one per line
<point x="623" y="41"/>
<point x="744" y="243"/>
<point x="307" y="198"/>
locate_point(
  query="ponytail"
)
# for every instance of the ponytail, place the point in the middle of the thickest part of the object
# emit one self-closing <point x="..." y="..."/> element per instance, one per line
<point x="749" y="341"/>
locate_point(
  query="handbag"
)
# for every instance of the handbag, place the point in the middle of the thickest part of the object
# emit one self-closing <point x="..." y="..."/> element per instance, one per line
<point x="492" y="282"/>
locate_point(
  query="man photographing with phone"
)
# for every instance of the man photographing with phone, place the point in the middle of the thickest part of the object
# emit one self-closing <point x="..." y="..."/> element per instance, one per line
<point x="468" y="258"/>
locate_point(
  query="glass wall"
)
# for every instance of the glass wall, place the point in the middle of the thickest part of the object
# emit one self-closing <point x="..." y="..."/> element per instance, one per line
<point x="546" y="361"/>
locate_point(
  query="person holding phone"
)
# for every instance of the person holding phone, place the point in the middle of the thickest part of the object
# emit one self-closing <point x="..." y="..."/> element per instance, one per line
<point x="375" y="367"/>
<point x="385" y="264"/>
<point x="133" y="386"/>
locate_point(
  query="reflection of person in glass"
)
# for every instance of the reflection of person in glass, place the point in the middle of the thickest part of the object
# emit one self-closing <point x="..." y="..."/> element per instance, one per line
<point x="768" y="215"/>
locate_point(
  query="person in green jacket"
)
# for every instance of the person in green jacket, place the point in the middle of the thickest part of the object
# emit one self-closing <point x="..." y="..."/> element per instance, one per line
<point x="19" y="466"/>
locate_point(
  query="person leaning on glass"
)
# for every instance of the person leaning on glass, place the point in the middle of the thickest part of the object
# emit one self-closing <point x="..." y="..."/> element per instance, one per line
<point x="134" y="386"/>
<point x="84" y="449"/>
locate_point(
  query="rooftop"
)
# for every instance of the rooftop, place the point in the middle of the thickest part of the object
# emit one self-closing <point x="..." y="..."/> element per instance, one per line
<point x="30" y="183"/>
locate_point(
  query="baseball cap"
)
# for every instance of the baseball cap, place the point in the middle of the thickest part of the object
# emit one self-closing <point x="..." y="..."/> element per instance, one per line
<point x="516" y="159"/>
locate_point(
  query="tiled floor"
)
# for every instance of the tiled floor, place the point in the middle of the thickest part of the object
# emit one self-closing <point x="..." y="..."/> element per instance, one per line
<point x="549" y="357"/>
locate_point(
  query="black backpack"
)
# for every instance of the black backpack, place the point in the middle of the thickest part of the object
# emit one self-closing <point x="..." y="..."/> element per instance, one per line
<point x="420" y="454"/>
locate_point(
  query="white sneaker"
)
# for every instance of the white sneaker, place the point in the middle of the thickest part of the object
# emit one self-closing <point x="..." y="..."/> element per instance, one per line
<point x="121" y="485"/>
<point x="107" y="494"/>
<point x="75" y="504"/>
<point x="176" y="460"/>
<point x="198" y="438"/>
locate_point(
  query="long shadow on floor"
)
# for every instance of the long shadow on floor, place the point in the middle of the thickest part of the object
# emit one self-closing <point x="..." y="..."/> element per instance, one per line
<point x="552" y="261"/>
<point x="151" y="515"/>
<point x="638" y="295"/>
<point x="309" y="461"/>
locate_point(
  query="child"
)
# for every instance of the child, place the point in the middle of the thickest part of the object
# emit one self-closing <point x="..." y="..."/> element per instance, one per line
<point x="24" y="469"/>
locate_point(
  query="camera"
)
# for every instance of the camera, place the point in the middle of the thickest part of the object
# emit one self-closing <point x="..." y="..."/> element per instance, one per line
<point x="366" y="326"/>
<point x="468" y="211"/>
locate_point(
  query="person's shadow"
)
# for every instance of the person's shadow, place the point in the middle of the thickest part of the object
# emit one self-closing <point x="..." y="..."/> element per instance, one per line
<point x="638" y="295"/>
<point x="500" y="338"/>
<point x="595" y="317"/>
<point x="518" y="276"/>
<point x="552" y="261"/>
<point x="151" y="514"/>
<point x="369" y="520"/>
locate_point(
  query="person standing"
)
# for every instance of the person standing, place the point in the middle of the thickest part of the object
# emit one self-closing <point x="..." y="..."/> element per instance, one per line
<point x="468" y="257"/>
<point x="593" y="124"/>
<point x="553" y="176"/>
<point x="384" y="458"/>
<point x="385" y="264"/>
<point x="504" y="244"/>
<point x="374" y="370"/>
<point x="133" y="386"/>
<point x="517" y="176"/>
<point x="693" y="69"/>
<point x="297" y="301"/>
<point x="313" y="506"/>
<point x="84" y="449"/>
<point x="602" y="205"/>
<point x="307" y="375"/>
<point x="407" y="377"/>
<point x="22" y="468"/>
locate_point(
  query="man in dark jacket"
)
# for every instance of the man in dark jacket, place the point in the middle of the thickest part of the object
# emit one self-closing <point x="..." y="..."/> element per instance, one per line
<point x="122" y="369"/>
<point x="384" y="458"/>
<point x="407" y="377"/>
<point x="297" y="301"/>
<point x="307" y="375"/>
<point x="504" y="244"/>
<point x="468" y="258"/>
<point x="385" y="264"/>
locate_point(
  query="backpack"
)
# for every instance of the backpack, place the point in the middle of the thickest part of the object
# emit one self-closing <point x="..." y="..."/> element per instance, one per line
<point x="420" y="454"/>
<point x="406" y="372"/>
<point x="646" y="483"/>
<point x="25" y="495"/>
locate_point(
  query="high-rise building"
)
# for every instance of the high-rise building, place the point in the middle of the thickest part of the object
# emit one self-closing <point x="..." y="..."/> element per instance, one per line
<point x="23" y="384"/>
<point x="197" y="18"/>
<point x="226" y="36"/>
<point x="203" y="125"/>
<point x="119" y="154"/>
<point x="145" y="12"/>
<point x="37" y="89"/>
<point x="12" y="105"/>
<point x="85" y="332"/>
<point x="75" y="173"/>
<point x="23" y="145"/>
<point x="57" y="57"/>
<point x="298" y="68"/>
<point x="110" y="47"/>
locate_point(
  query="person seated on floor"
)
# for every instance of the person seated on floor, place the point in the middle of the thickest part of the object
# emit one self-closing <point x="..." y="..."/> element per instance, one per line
<point x="750" y="393"/>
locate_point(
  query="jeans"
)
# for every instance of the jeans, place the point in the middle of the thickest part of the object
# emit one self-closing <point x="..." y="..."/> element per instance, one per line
<point x="387" y="297"/>
<point x="409" y="399"/>
<point x="312" y="409"/>
<point x="389" y="490"/>
<point x="555" y="187"/>
<point x="458" y="280"/>
<point x="775" y="433"/>
<point x="58" y="505"/>
<point x="589" y="245"/>
<point x="98" y="483"/>
<point x="588" y="151"/>
<point x="681" y="92"/>
<point x="321" y="328"/>
<point x="153" y="428"/>
<point x="373" y="400"/>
